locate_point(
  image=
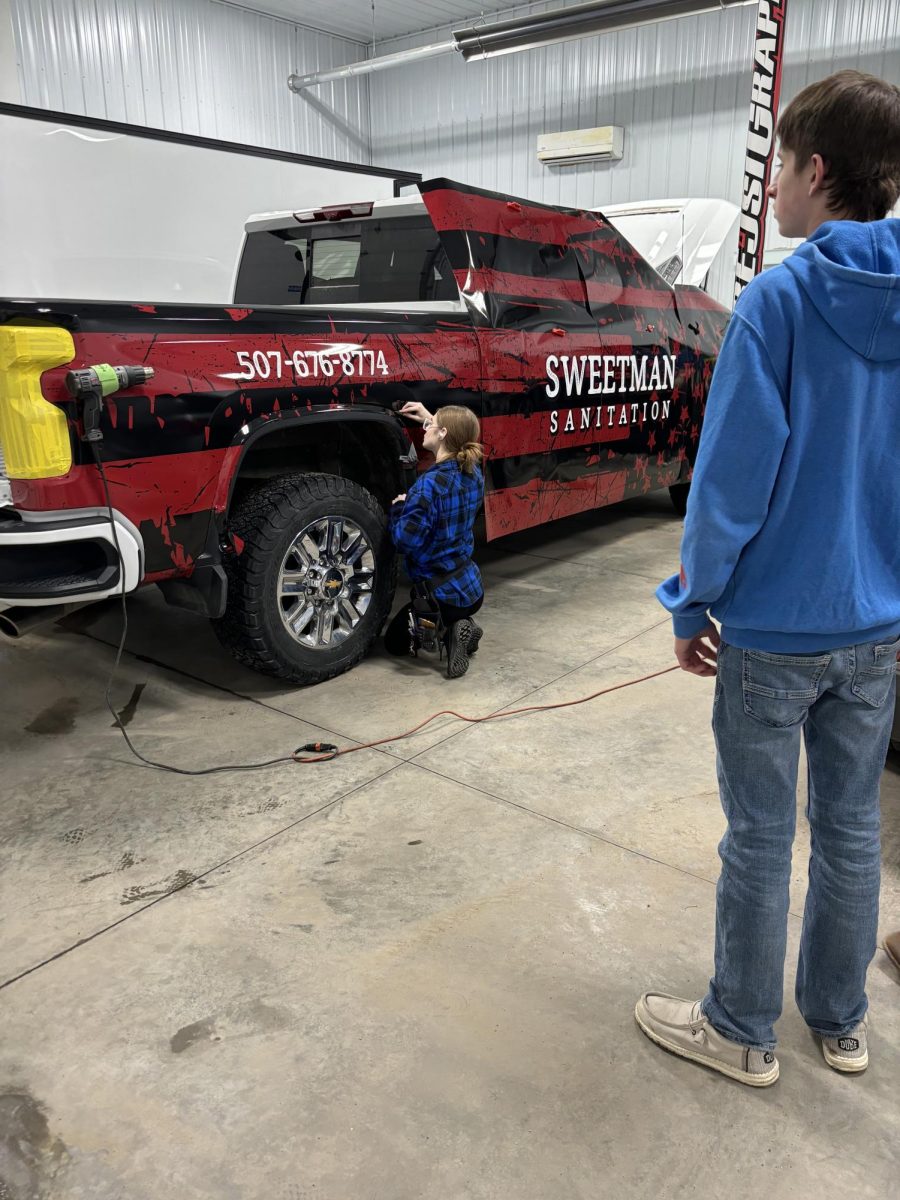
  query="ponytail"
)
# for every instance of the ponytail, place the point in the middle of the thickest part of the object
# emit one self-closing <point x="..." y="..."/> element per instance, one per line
<point x="470" y="457"/>
<point x="463" y="436"/>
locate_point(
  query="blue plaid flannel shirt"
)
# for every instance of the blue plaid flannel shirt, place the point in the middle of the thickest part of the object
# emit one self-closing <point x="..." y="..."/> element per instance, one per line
<point x="432" y="529"/>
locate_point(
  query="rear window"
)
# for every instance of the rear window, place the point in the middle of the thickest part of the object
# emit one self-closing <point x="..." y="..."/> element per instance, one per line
<point x="394" y="260"/>
<point x="334" y="260"/>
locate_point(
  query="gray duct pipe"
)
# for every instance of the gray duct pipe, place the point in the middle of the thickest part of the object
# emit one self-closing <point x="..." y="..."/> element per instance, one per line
<point x="526" y="33"/>
<point x="581" y="20"/>
<point x="387" y="61"/>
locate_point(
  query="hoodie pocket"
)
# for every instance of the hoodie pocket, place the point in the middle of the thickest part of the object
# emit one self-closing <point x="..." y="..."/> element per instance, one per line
<point x="876" y="665"/>
<point x="780" y="688"/>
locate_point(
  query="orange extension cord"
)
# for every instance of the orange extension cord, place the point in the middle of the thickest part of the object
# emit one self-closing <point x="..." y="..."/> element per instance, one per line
<point x="331" y="754"/>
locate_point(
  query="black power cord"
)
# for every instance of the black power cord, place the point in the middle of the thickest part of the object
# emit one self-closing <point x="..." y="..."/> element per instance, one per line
<point x="90" y="385"/>
<point x="149" y="762"/>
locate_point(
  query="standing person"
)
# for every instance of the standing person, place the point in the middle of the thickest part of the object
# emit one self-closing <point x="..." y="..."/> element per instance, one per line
<point x="791" y="542"/>
<point x="432" y="527"/>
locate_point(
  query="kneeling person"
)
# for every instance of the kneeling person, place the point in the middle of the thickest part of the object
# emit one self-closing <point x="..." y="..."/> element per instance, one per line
<point x="432" y="526"/>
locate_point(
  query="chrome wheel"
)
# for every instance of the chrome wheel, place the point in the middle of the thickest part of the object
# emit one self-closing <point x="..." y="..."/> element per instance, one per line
<point x="325" y="582"/>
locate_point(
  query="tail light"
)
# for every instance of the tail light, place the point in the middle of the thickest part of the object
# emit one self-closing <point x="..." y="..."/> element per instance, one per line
<point x="336" y="212"/>
<point x="34" y="433"/>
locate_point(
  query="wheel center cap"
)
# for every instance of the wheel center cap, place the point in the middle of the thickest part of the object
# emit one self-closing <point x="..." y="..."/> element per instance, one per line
<point x="331" y="584"/>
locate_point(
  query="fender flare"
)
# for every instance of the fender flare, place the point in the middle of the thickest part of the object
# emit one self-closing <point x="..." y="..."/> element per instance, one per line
<point x="271" y="423"/>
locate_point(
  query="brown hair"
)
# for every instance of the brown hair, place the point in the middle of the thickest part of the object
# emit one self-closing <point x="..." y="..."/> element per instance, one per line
<point x="463" y="440"/>
<point x="853" y="121"/>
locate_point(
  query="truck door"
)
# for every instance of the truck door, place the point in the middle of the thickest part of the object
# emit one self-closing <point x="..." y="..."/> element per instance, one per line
<point x="586" y="367"/>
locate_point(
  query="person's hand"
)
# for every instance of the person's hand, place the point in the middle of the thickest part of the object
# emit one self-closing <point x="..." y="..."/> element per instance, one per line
<point x="698" y="655"/>
<point x="399" y="499"/>
<point x="415" y="411"/>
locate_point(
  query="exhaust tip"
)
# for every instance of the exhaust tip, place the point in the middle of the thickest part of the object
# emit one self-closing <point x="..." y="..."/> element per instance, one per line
<point x="17" y="621"/>
<point x="8" y="626"/>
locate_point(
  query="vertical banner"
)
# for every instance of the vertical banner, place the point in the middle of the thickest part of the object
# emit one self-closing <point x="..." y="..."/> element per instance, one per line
<point x="768" y="56"/>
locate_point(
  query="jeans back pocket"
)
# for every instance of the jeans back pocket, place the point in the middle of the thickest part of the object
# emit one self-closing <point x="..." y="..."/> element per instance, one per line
<point x="873" y="678"/>
<point x="780" y="688"/>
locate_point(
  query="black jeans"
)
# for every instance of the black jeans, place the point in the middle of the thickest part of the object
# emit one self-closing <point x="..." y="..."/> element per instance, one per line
<point x="396" y="636"/>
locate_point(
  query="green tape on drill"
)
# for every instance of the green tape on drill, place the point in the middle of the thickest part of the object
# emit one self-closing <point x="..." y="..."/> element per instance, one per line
<point x="109" y="380"/>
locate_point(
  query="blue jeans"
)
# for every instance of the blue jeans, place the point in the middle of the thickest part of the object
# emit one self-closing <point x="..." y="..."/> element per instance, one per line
<point x="842" y="701"/>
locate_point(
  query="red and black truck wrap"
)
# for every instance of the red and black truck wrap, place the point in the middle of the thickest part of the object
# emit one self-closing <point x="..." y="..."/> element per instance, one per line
<point x="250" y="476"/>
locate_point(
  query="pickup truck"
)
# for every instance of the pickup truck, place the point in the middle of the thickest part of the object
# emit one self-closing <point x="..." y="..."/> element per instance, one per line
<point x="249" y="477"/>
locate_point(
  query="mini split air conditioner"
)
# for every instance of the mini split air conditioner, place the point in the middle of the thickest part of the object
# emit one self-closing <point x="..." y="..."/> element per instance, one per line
<point x="603" y="144"/>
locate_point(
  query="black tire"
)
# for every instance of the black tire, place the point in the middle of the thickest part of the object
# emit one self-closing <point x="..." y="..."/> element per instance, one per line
<point x="267" y="525"/>
<point x="679" y="493"/>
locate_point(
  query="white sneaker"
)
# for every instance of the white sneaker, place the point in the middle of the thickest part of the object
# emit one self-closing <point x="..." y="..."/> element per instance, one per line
<point x="848" y="1053"/>
<point x="680" y="1026"/>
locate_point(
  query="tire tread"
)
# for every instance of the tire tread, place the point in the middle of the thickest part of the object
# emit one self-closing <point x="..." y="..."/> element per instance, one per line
<point x="241" y="630"/>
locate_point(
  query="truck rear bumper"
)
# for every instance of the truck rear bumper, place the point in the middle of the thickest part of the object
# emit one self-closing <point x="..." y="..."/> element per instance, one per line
<point x="70" y="557"/>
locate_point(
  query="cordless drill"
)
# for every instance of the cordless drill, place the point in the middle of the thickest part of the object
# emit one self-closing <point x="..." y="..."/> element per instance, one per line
<point x="93" y="384"/>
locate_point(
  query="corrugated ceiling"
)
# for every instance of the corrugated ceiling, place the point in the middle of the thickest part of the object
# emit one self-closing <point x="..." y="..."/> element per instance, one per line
<point x="393" y="18"/>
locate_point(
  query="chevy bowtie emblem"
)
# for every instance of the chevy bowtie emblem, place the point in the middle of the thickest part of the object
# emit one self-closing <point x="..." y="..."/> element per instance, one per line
<point x="333" y="585"/>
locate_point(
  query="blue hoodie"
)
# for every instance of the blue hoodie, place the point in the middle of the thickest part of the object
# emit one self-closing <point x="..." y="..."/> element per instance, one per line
<point x="792" y="537"/>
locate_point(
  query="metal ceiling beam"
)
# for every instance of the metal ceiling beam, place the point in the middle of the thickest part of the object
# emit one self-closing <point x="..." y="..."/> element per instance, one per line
<point x="527" y="33"/>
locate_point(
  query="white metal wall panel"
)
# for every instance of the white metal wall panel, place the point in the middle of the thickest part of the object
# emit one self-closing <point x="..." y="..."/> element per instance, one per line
<point x="680" y="88"/>
<point x="674" y="87"/>
<point x="196" y="66"/>
<point x="393" y="18"/>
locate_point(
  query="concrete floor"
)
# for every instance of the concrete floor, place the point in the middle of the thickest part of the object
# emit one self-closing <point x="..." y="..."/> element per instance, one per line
<point x="408" y="974"/>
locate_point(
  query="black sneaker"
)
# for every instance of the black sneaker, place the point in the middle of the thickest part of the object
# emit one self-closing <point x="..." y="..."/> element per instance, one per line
<point x="473" y="635"/>
<point x="457" y="654"/>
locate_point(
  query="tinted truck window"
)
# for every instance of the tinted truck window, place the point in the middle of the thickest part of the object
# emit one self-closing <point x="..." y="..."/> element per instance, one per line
<point x="350" y="262"/>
